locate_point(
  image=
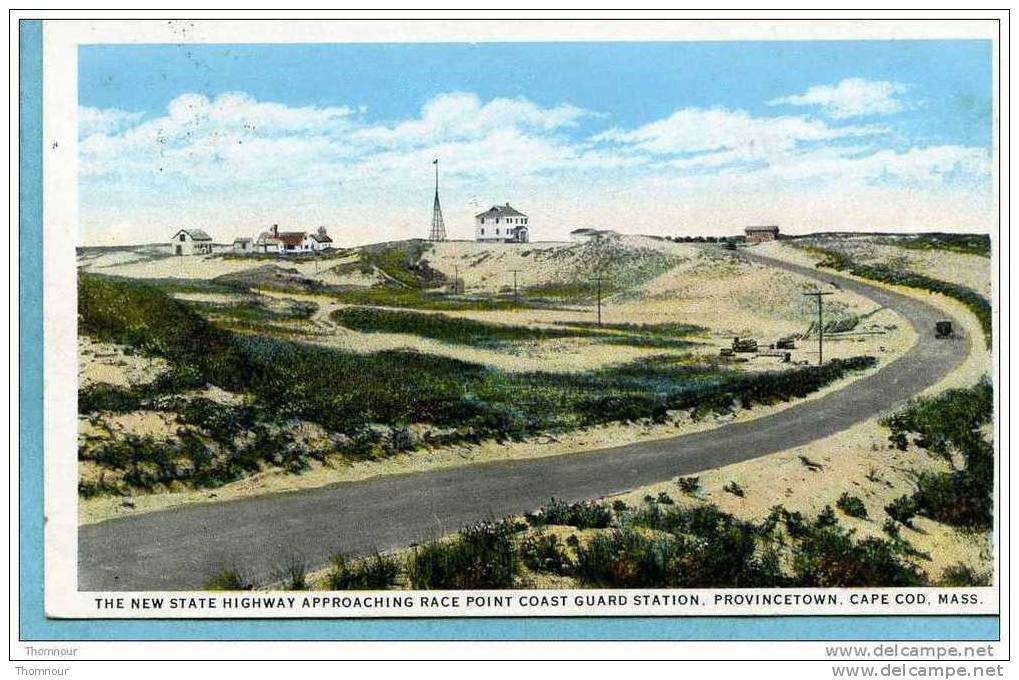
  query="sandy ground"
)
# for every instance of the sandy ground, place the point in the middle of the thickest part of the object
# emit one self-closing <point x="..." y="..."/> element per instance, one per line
<point x="718" y="292"/>
<point x="488" y="267"/>
<point x="156" y="263"/>
<point x="106" y="363"/>
<point x="972" y="271"/>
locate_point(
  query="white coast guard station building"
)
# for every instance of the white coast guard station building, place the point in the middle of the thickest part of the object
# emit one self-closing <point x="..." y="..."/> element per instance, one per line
<point x="502" y="224"/>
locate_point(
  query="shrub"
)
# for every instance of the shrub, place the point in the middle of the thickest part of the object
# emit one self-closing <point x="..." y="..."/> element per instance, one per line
<point x="583" y="515"/>
<point x="944" y="425"/>
<point x="718" y="549"/>
<point x="373" y="573"/>
<point x="826" y="555"/>
<point x="229" y="579"/>
<point x="959" y="499"/>
<point x="902" y="509"/>
<point x="851" y="505"/>
<point x="735" y="489"/>
<point x="545" y="552"/>
<point x="399" y="439"/>
<point x="480" y="556"/>
<point x="690" y="485"/>
<point x="951" y="420"/>
<point x="626" y="559"/>
<point x="976" y="302"/>
<point x="962" y="576"/>
<point x="664" y="498"/>
<point x="295" y="573"/>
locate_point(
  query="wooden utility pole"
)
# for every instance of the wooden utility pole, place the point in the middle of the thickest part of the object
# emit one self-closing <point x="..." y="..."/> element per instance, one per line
<point x="456" y="279"/>
<point x="515" y="272"/>
<point x="819" y="294"/>
<point x="598" y="279"/>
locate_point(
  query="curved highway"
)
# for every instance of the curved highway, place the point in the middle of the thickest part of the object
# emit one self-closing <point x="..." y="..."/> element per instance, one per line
<point x="183" y="548"/>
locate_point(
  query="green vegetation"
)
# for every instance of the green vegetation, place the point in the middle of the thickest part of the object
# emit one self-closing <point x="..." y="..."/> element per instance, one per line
<point x="256" y="309"/>
<point x="657" y="545"/>
<point x="543" y="552"/>
<point x="662" y="545"/>
<point x="401" y="263"/>
<point x="851" y="505"/>
<point x="372" y="573"/>
<point x="295" y="574"/>
<point x="229" y="579"/>
<point x="966" y="244"/>
<point x="975" y="302"/>
<point x="735" y="489"/>
<point x="420" y="299"/>
<point x="950" y="425"/>
<point x="571" y="291"/>
<point x="352" y="396"/>
<point x="962" y="576"/>
<point x="584" y="515"/>
<point x="477" y="333"/>
<point x="482" y="555"/>
<point x="668" y="330"/>
<point x="689" y="485"/>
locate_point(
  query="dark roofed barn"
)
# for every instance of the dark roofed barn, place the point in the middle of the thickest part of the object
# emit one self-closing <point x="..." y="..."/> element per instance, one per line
<point x="759" y="234"/>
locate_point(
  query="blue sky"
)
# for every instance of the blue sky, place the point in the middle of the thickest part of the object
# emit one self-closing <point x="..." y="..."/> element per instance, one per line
<point x="713" y="134"/>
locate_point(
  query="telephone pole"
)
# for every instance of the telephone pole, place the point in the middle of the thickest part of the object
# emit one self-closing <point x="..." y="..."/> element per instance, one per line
<point x="819" y="294"/>
<point x="515" y="272"/>
<point x="456" y="279"/>
<point x="598" y="280"/>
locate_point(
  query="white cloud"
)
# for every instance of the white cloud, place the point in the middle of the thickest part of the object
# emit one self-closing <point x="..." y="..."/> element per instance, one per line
<point x="692" y="131"/>
<point x="850" y="98"/>
<point x="462" y="115"/>
<point x="104" y="121"/>
<point x="233" y="164"/>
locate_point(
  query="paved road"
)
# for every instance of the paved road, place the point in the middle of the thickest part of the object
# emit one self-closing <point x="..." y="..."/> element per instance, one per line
<point x="183" y="548"/>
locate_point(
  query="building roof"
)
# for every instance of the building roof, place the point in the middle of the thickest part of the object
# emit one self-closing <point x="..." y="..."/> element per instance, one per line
<point x="768" y="227"/>
<point x="196" y="234"/>
<point x="291" y="238"/>
<point x="588" y="231"/>
<point x="243" y="239"/>
<point x="321" y="238"/>
<point x="501" y="211"/>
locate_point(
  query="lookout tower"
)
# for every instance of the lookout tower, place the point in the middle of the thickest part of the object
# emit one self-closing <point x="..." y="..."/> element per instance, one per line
<point x="438" y="232"/>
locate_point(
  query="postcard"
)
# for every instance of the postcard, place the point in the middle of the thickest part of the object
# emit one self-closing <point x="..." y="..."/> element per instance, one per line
<point x="492" y="318"/>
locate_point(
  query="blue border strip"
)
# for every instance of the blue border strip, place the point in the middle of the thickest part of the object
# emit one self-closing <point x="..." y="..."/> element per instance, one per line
<point x="35" y="627"/>
<point x="30" y="373"/>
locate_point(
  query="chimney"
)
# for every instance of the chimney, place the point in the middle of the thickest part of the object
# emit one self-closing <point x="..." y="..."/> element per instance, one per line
<point x="275" y="230"/>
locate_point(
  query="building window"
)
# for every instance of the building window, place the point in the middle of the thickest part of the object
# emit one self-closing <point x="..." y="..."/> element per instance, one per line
<point x="183" y="237"/>
<point x="482" y="230"/>
<point x="496" y="232"/>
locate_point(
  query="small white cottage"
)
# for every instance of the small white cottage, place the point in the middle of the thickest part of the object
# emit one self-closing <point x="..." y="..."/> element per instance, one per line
<point x="191" y="242"/>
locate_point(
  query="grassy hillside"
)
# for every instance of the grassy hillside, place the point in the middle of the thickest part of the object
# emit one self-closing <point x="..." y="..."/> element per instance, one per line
<point x="482" y="334"/>
<point x="364" y="402"/>
<point x="977" y="303"/>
